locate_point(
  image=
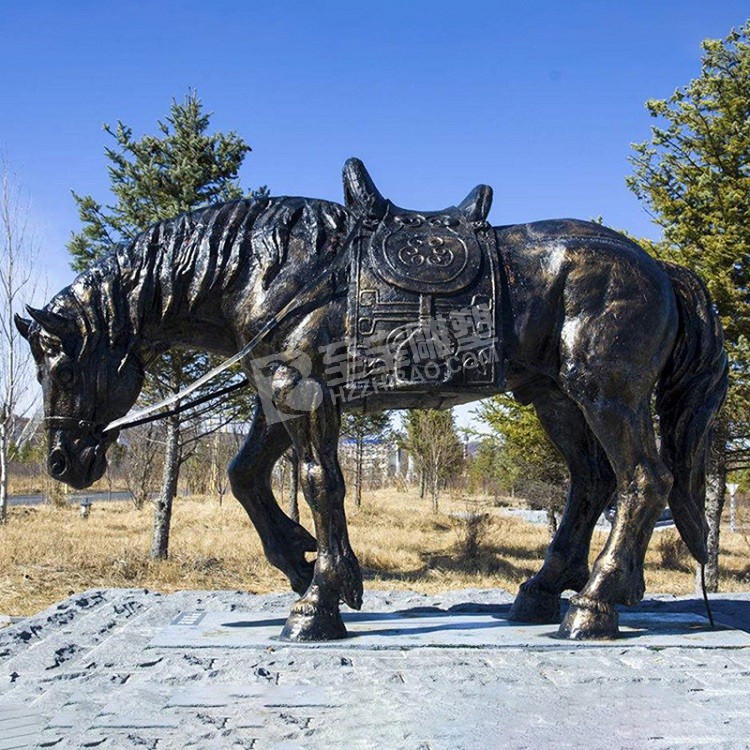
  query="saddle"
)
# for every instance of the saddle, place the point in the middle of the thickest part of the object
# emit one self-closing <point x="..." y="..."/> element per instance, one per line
<point x="422" y="313"/>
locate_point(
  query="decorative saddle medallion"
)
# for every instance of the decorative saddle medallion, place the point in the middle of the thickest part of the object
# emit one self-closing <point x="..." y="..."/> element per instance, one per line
<point x="422" y="313"/>
<point x="435" y="253"/>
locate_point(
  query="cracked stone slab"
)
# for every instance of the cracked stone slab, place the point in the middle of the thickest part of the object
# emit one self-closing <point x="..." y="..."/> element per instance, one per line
<point x="294" y="696"/>
<point x="431" y="628"/>
<point x="449" y="678"/>
<point x="139" y="706"/>
<point x="67" y="632"/>
<point x="20" y="727"/>
<point x="214" y="695"/>
<point x="72" y="716"/>
<point x="6" y="620"/>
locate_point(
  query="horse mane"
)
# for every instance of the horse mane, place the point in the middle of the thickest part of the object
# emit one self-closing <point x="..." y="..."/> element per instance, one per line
<point x="176" y="264"/>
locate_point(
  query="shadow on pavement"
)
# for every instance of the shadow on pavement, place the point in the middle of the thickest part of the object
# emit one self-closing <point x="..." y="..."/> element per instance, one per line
<point x="728" y="613"/>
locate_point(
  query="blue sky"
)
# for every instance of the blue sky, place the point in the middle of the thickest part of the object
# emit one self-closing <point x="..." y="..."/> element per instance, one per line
<point x="539" y="99"/>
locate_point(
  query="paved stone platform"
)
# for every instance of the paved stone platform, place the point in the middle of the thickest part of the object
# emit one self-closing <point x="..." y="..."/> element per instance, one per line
<point x="135" y="669"/>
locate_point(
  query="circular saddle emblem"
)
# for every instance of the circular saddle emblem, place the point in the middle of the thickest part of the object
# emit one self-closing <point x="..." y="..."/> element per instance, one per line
<point x="422" y="255"/>
<point x="432" y="251"/>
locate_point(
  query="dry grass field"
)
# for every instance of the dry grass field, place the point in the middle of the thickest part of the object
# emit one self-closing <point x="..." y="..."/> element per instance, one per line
<point x="47" y="553"/>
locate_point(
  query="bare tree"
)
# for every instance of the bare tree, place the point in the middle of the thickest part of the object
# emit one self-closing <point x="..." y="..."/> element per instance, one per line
<point x="432" y="439"/>
<point x="225" y="444"/>
<point x="19" y="278"/>
<point x="163" y="503"/>
<point x="141" y="462"/>
<point x="186" y="436"/>
<point x="360" y="428"/>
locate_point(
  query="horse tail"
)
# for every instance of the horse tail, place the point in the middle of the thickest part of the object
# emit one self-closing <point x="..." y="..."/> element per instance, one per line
<point x="689" y="394"/>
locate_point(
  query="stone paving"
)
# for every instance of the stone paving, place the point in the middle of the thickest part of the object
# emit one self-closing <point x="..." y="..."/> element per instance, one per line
<point x="135" y="669"/>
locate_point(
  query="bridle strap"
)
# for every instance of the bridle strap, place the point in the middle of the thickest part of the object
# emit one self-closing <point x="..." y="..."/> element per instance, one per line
<point x="72" y="423"/>
<point x="84" y="424"/>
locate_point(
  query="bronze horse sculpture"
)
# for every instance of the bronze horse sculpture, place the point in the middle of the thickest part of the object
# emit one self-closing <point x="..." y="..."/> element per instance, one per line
<point x="583" y="323"/>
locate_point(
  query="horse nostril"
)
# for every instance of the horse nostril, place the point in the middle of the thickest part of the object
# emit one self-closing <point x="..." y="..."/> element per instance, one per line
<point x="58" y="463"/>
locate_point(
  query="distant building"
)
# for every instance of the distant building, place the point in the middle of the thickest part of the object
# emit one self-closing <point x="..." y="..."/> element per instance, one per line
<point x="382" y="460"/>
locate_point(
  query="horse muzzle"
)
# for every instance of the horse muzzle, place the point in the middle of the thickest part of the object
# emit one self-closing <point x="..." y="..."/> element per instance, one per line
<point x="78" y="462"/>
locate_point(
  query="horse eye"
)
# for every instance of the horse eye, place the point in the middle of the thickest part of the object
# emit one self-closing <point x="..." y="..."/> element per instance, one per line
<point x="65" y="375"/>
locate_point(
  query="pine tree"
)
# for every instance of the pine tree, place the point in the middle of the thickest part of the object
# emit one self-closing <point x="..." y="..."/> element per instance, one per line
<point x="182" y="167"/>
<point x="526" y="456"/>
<point x="693" y="176"/>
<point x="486" y="474"/>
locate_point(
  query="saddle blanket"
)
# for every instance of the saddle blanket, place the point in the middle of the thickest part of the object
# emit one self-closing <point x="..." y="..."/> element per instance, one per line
<point x="422" y="314"/>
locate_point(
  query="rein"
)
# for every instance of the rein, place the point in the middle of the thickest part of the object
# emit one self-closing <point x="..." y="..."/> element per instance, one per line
<point x="182" y="407"/>
<point x="154" y="412"/>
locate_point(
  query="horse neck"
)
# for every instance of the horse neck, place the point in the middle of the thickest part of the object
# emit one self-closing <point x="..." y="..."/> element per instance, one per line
<point x="209" y="280"/>
<point x="173" y="294"/>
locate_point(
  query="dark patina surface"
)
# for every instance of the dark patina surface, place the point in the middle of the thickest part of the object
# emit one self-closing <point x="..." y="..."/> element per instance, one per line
<point x="582" y="322"/>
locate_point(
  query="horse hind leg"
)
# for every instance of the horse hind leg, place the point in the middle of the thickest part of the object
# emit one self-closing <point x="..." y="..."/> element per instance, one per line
<point x="592" y="484"/>
<point x="284" y="541"/>
<point x="643" y="484"/>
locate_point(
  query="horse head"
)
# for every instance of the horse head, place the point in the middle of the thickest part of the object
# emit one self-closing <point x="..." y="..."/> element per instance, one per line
<point x="87" y="381"/>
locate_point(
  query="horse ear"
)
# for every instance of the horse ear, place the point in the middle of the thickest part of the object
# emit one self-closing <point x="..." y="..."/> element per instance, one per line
<point x="52" y="322"/>
<point x="22" y="324"/>
<point x="476" y="205"/>
<point x="360" y="193"/>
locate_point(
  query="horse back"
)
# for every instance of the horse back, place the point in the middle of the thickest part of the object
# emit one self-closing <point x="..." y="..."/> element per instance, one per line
<point x="558" y="270"/>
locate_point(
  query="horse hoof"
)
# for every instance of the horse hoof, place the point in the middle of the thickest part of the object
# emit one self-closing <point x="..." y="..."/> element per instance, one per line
<point x="589" y="620"/>
<point x="319" y="625"/>
<point x="535" y="605"/>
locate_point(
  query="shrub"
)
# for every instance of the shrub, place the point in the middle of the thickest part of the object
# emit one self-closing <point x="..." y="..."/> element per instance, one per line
<point x="673" y="552"/>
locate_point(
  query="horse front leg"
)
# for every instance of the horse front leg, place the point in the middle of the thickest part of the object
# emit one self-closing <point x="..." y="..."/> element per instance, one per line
<point x="284" y="540"/>
<point x="337" y="576"/>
